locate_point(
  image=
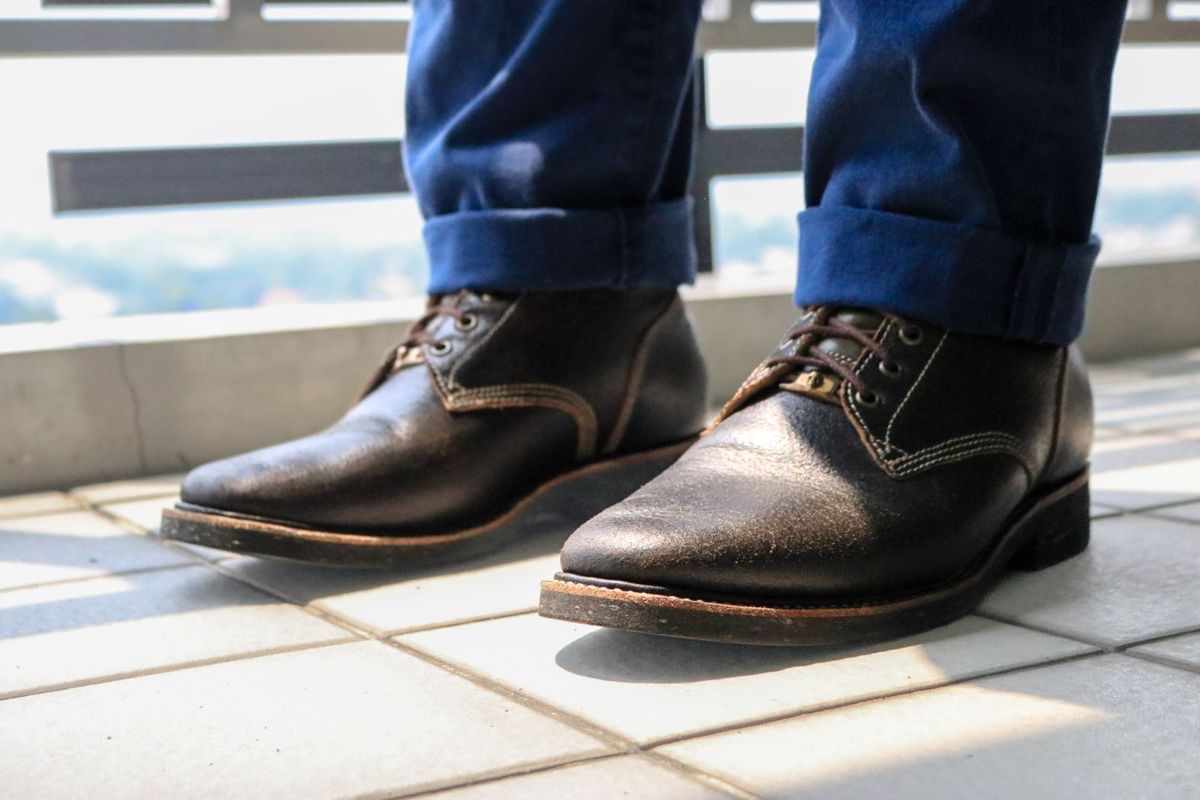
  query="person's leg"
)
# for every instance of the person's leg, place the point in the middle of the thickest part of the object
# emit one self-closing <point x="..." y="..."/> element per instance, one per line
<point x="924" y="424"/>
<point x="548" y="145"/>
<point x="952" y="159"/>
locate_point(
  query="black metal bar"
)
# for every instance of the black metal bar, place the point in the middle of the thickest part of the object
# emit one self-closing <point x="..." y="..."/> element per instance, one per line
<point x="122" y="179"/>
<point x="100" y="179"/>
<point x="752" y="151"/>
<point x="250" y="36"/>
<point x="94" y="3"/>
<point x="702" y="224"/>
<point x="73" y="37"/>
<point x="1149" y="134"/>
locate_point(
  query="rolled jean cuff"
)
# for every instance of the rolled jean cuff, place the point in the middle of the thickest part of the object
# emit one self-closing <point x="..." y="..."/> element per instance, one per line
<point x="955" y="276"/>
<point x="554" y="249"/>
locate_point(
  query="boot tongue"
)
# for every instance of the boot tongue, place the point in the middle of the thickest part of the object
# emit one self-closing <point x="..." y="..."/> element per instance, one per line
<point x="865" y="320"/>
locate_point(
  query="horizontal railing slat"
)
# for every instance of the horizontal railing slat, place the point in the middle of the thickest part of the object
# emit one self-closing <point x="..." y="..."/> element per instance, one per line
<point x="113" y="179"/>
<point x="110" y="179"/>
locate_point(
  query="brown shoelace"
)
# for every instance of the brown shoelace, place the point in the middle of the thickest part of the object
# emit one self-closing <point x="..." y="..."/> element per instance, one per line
<point x="826" y="326"/>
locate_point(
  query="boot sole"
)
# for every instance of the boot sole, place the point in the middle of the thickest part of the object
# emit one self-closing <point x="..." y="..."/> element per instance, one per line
<point x="575" y="495"/>
<point x="1052" y="528"/>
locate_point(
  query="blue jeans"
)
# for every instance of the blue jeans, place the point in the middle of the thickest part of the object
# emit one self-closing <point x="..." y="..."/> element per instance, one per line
<point x="953" y="152"/>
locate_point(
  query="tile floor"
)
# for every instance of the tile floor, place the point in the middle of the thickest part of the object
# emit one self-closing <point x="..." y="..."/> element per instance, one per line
<point x="135" y="668"/>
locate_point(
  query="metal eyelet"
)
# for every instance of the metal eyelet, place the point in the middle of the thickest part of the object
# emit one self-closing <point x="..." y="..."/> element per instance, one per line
<point x="466" y="322"/>
<point x="868" y="399"/>
<point x="911" y="334"/>
<point x="890" y="368"/>
<point x="441" y="348"/>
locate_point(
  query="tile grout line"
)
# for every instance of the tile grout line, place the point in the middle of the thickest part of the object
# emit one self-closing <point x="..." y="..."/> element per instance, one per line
<point x="1165" y="661"/>
<point x="436" y="786"/>
<point x="666" y="762"/>
<point x="168" y="668"/>
<point x="607" y="737"/>
<point x="587" y="726"/>
<point x="1111" y="649"/>
<point x="74" y="507"/>
<point x="437" y="626"/>
<point x="625" y="745"/>
<point x="839" y="706"/>
<point x="581" y="724"/>
<point x="1036" y="628"/>
<point x="482" y="779"/>
<point x="96" y="577"/>
<point x="711" y="780"/>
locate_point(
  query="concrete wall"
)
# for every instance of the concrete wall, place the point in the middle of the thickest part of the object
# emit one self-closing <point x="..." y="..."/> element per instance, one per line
<point x="80" y="414"/>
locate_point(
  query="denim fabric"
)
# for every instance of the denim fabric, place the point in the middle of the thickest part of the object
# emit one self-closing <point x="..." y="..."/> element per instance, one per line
<point x="952" y="160"/>
<point x="549" y="143"/>
<point x="952" y="157"/>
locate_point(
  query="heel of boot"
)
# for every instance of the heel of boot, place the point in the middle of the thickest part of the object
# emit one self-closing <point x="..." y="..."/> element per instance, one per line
<point x="1056" y="532"/>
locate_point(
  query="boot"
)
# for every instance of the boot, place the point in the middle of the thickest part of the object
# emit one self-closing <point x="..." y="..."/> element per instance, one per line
<point x="874" y="477"/>
<point x="491" y="405"/>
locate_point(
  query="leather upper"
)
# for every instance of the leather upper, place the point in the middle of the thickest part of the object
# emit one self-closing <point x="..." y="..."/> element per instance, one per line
<point x="490" y="405"/>
<point x="826" y="498"/>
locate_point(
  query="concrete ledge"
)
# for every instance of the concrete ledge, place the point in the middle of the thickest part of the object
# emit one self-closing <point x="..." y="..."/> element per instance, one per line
<point x="161" y="394"/>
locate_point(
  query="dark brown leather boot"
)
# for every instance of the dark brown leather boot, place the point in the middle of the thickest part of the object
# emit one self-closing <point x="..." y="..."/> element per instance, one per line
<point x="490" y="405"/>
<point x="872" y="478"/>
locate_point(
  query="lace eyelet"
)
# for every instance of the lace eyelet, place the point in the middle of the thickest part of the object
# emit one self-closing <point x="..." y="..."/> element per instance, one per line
<point x="466" y="322"/>
<point x="890" y="368"/>
<point x="911" y="334"/>
<point x="868" y="399"/>
<point x="441" y="348"/>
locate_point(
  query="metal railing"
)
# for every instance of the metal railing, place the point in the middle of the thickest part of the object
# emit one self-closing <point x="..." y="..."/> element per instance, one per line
<point x="99" y="179"/>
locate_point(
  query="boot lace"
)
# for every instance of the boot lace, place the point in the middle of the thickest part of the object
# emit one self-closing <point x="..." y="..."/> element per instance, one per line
<point x="824" y="325"/>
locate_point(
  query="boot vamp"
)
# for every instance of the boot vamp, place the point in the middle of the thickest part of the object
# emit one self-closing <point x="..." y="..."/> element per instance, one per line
<point x="783" y="500"/>
<point x="399" y="462"/>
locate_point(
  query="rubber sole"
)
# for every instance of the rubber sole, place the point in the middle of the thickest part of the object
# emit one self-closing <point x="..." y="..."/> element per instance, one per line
<point x="1051" y="529"/>
<point x="574" y="497"/>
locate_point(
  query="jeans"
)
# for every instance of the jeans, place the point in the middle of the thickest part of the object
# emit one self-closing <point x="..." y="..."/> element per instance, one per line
<point x="953" y="152"/>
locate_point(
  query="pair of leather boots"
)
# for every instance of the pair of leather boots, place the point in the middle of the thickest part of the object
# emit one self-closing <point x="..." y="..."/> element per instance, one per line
<point x="871" y="478"/>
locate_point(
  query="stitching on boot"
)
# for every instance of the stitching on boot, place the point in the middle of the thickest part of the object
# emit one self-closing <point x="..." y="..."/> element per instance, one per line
<point x="452" y="377"/>
<point x="637" y="373"/>
<point x="887" y="435"/>
<point x="518" y="395"/>
<point x="956" y="449"/>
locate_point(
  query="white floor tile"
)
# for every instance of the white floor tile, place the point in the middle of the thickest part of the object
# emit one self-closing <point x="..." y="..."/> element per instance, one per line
<point x="82" y="544"/>
<point x="1181" y="650"/>
<point x="606" y="779"/>
<point x="1139" y="472"/>
<point x="41" y="503"/>
<point x="333" y="722"/>
<point x="115" y="491"/>
<point x="651" y="688"/>
<point x="83" y="630"/>
<point x="392" y="601"/>
<point x="146" y="514"/>
<point x="1108" y="728"/>
<point x="1137" y="579"/>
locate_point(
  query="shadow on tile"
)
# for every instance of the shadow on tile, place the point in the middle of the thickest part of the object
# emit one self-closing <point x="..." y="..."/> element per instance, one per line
<point x="73" y="606"/>
<point x="620" y="656"/>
